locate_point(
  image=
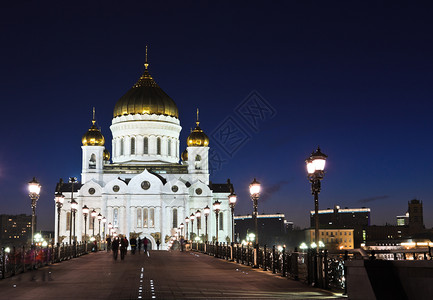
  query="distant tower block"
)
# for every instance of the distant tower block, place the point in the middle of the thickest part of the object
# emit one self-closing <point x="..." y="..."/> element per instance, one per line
<point x="416" y="220"/>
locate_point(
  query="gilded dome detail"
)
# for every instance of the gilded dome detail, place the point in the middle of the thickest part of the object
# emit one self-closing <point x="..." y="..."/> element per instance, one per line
<point x="93" y="137"/>
<point x="145" y="97"/>
<point x="197" y="137"/>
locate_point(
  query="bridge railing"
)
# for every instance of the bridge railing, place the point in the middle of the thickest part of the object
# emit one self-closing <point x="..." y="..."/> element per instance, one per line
<point x="18" y="260"/>
<point x="318" y="269"/>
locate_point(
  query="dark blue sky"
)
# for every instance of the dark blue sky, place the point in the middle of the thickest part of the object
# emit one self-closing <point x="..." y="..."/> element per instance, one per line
<point x="354" y="78"/>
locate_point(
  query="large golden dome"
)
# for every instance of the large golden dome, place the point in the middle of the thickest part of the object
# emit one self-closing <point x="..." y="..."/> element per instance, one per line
<point x="146" y="97"/>
<point x="93" y="137"/>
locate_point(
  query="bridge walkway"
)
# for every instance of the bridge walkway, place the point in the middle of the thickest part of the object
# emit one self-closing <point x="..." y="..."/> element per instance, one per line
<point x="156" y="275"/>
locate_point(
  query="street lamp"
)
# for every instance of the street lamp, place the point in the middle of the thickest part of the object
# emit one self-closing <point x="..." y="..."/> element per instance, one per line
<point x="85" y="213"/>
<point x="192" y="217"/>
<point x="316" y="170"/>
<point x="34" y="190"/>
<point x="217" y="208"/>
<point x="255" y="193"/>
<point x="232" y="202"/>
<point x="198" y="216"/>
<point x="104" y="220"/>
<point x="186" y="222"/>
<point x="74" y="206"/>
<point x="59" y="198"/>
<point x="181" y="229"/>
<point x="93" y="214"/>
<point x="99" y="230"/>
<point x="72" y="180"/>
<point x="110" y="226"/>
<point x="206" y="211"/>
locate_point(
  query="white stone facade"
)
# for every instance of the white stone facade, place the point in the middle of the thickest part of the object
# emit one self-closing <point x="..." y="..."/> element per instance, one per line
<point x="145" y="190"/>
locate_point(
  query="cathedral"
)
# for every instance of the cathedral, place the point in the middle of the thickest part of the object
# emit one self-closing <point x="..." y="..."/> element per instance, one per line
<point x="145" y="188"/>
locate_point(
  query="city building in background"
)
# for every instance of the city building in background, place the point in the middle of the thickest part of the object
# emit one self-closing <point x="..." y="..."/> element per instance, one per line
<point x="409" y="225"/>
<point x="146" y="187"/>
<point x="416" y="217"/>
<point x="357" y="219"/>
<point x="15" y="230"/>
<point x="403" y="220"/>
<point x="271" y="228"/>
<point x="332" y="239"/>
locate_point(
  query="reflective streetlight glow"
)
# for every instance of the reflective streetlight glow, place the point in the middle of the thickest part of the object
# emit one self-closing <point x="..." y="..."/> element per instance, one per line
<point x="254" y="188"/>
<point x="85" y="210"/>
<point x="232" y="198"/>
<point x="34" y="187"/>
<point x="206" y="210"/>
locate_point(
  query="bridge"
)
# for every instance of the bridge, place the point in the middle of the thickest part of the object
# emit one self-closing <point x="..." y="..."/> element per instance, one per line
<point x="155" y="275"/>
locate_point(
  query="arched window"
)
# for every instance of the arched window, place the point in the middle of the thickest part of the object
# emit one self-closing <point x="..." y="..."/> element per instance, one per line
<point x="115" y="217"/>
<point x="92" y="161"/>
<point x="151" y="217"/>
<point x="132" y="145"/>
<point x="174" y="218"/>
<point x="146" y="145"/>
<point x="221" y="220"/>
<point x="158" y="146"/>
<point x="169" y="147"/>
<point x="68" y="220"/>
<point x="145" y="217"/>
<point x="139" y="217"/>
<point x="197" y="158"/>
<point x="121" y="146"/>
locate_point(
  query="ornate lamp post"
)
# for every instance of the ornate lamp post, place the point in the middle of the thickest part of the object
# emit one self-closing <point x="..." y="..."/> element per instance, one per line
<point x="110" y="226"/>
<point x="104" y="220"/>
<point x="74" y="206"/>
<point x="181" y="229"/>
<point x="206" y="211"/>
<point x="186" y="222"/>
<point x="192" y="217"/>
<point x="59" y="198"/>
<point x="198" y="217"/>
<point x="34" y="190"/>
<point x="232" y="202"/>
<point x="93" y="214"/>
<point x="99" y="229"/>
<point x="72" y="180"/>
<point x="217" y="208"/>
<point x="85" y="214"/>
<point x="316" y="170"/>
<point x="255" y="194"/>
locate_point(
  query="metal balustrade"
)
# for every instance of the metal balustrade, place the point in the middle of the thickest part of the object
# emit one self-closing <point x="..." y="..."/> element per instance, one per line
<point x="318" y="269"/>
<point x="19" y="260"/>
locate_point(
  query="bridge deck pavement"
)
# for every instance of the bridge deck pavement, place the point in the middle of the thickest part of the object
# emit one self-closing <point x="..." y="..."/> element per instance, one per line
<point x="158" y="275"/>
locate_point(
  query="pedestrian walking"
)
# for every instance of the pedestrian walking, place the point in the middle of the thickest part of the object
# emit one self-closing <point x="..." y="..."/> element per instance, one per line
<point x="108" y="243"/>
<point x="133" y="242"/>
<point x="115" y="247"/>
<point x="123" y="247"/>
<point x="139" y="244"/>
<point x="145" y="242"/>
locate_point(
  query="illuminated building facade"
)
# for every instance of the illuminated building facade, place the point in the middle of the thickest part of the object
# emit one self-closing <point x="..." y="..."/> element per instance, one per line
<point x="147" y="187"/>
<point x="357" y="219"/>
<point x="333" y="239"/>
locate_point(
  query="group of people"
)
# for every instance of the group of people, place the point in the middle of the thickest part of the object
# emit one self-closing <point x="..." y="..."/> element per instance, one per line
<point x="122" y="244"/>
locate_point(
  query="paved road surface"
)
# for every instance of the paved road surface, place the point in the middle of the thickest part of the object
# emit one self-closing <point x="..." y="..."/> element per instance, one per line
<point x="158" y="275"/>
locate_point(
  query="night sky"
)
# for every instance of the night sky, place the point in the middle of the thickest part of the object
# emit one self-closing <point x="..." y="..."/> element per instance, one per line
<point x="355" y="78"/>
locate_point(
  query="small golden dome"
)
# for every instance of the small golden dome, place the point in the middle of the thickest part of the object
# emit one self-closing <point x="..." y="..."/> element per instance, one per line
<point x="106" y="155"/>
<point x="197" y="137"/>
<point x="93" y="137"/>
<point x="185" y="155"/>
